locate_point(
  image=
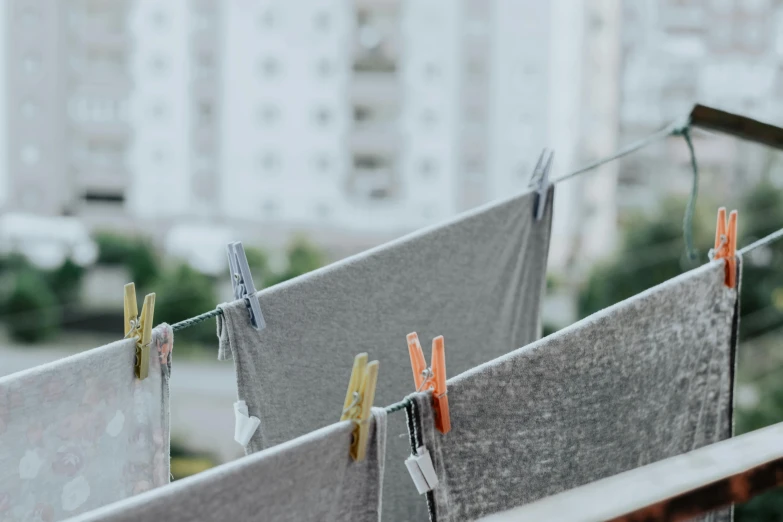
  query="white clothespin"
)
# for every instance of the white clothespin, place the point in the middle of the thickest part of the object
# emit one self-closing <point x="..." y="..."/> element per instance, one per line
<point x="245" y="425"/>
<point x="422" y="471"/>
<point x="243" y="283"/>
<point x="540" y="181"/>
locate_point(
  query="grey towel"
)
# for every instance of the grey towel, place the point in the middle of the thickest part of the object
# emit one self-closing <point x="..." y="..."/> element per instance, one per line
<point x="309" y="479"/>
<point x="83" y="432"/>
<point x="477" y="280"/>
<point x="646" y="379"/>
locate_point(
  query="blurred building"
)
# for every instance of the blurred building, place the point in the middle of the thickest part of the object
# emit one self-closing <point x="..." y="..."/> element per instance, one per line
<point x="723" y="53"/>
<point x="355" y="121"/>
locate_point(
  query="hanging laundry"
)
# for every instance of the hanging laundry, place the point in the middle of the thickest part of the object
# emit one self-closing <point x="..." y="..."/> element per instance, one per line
<point x="310" y="479"/>
<point x="83" y="432"/>
<point x="477" y="280"/>
<point x="646" y="379"/>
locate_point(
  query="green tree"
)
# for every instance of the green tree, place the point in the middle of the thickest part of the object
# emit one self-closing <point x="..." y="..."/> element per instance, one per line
<point x="183" y="293"/>
<point x="32" y="308"/>
<point x="258" y="260"/>
<point x="137" y="254"/>
<point x="66" y="282"/>
<point x="651" y="252"/>
<point x="762" y="280"/>
<point x="303" y="257"/>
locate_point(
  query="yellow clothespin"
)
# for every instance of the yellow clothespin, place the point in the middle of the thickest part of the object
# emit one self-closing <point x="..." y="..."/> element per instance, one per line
<point x="139" y="327"/>
<point x="358" y="401"/>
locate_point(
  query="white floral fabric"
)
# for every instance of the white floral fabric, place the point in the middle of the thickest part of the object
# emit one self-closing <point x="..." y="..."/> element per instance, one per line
<point x="82" y="432"/>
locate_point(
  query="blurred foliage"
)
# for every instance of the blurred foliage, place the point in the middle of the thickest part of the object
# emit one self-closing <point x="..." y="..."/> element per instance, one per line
<point x="303" y="257"/>
<point x="258" y="260"/>
<point x="769" y="506"/>
<point x="182" y="293"/>
<point x="762" y="279"/>
<point x="186" y="462"/>
<point x="31" y="307"/>
<point x="66" y="282"/>
<point x="652" y="251"/>
<point x="137" y="254"/>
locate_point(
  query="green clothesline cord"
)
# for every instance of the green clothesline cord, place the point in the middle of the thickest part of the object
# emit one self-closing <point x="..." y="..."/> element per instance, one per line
<point x="675" y="129"/>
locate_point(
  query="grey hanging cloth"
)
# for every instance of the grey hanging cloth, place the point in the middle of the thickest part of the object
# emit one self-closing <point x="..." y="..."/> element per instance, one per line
<point x="646" y="379"/>
<point x="477" y="279"/>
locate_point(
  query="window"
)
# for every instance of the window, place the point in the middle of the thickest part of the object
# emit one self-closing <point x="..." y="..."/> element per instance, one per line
<point x="30" y="155"/>
<point x="31" y="64"/>
<point x="323" y="210"/>
<point x="324" y="67"/>
<point x="270" y="162"/>
<point x="369" y="161"/>
<point x="205" y="112"/>
<point x="428" y="168"/>
<point x="267" y="20"/>
<point x="29" y="109"/>
<point x="159" y="19"/>
<point x="158" y="64"/>
<point x="362" y="113"/>
<point x="322" y="21"/>
<point x="431" y="71"/>
<point x="269" y="114"/>
<point x="429" y="117"/>
<point x="158" y="110"/>
<point x="323" y="163"/>
<point x="158" y="156"/>
<point x="270" y="67"/>
<point x="323" y="116"/>
<point x="270" y="208"/>
<point x="114" y="198"/>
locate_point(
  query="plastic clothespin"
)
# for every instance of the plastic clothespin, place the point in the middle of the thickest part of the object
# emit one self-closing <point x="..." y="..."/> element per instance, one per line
<point x="243" y="283"/>
<point x="540" y="182"/>
<point x="726" y="244"/>
<point x="358" y="402"/>
<point x="140" y="327"/>
<point x="433" y="378"/>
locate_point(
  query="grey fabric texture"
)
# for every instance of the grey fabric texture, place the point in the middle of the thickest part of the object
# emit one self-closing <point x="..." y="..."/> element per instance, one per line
<point x="309" y="479"/>
<point x="646" y="379"/>
<point x="477" y="280"/>
<point x="82" y="432"/>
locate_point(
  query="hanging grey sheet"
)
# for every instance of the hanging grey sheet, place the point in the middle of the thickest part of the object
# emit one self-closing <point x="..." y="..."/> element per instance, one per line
<point x="646" y="379"/>
<point x="309" y="479"/>
<point x="477" y="280"/>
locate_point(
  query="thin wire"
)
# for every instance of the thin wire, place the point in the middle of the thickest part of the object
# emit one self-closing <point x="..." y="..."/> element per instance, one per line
<point x="674" y="129"/>
<point x="687" y="222"/>
<point x="761" y="242"/>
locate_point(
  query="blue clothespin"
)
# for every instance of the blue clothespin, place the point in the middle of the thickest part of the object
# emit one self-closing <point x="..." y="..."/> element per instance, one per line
<point x="540" y="182"/>
<point x="243" y="283"/>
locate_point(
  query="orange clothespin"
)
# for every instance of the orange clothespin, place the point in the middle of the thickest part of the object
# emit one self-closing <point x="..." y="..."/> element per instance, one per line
<point x="358" y="402"/>
<point x="726" y="244"/>
<point x="433" y="378"/>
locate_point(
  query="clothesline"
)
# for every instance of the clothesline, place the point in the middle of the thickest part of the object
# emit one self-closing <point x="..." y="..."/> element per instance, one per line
<point x="678" y="128"/>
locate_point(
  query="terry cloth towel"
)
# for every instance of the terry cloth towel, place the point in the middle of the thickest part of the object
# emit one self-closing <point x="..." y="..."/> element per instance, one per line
<point x="643" y="380"/>
<point x="309" y="479"/>
<point x="477" y="280"/>
<point x="83" y="432"/>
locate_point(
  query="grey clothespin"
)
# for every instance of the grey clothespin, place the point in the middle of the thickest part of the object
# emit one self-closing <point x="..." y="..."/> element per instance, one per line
<point x="243" y="283"/>
<point x="540" y="182"/>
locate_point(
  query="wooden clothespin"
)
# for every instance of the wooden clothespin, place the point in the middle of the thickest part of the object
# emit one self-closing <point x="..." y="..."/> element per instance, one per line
<point x="539" y="181"/>
<point x="358" y="402"/>
<point x="726" y="244"/>
<point x="433" y="378"/>
<point x="139" y="327"/>
<point x="242" y="281"/>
